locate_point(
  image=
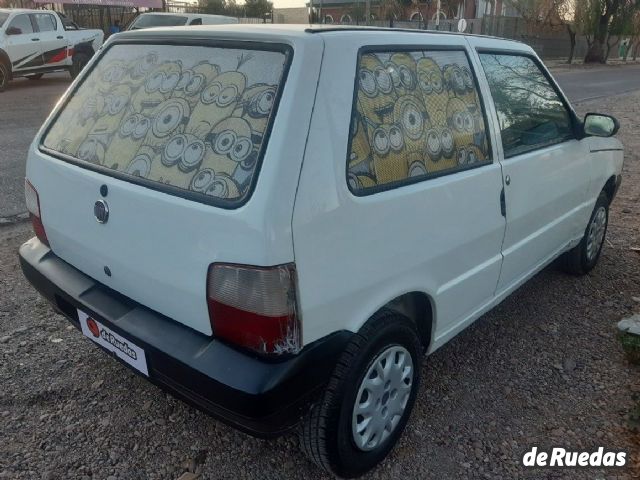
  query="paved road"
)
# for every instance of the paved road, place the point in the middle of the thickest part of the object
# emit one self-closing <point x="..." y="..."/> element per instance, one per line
<point x="25" y="105"/>
<point x="590" y="83"/>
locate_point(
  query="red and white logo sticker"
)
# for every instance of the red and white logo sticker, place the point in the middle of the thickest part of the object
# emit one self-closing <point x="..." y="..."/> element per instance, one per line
<point x="123" y="348"/>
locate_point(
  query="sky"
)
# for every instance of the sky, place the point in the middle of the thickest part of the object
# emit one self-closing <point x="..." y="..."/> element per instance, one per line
<point x="288" y="3"/>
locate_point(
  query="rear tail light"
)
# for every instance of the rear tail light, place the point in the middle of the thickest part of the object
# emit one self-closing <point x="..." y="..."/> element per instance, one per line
<point x="33" y="206"/>
<point x="255" y="307"/>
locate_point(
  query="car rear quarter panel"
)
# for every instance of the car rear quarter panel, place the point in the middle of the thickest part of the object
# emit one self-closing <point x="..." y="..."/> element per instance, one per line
<point x="349" y="267"/>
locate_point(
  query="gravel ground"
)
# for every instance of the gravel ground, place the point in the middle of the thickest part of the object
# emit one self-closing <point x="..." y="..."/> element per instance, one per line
<point x="544" y="368"/>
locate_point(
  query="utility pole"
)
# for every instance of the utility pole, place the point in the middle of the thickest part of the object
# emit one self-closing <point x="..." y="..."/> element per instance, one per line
<point x="438" y="15"/>
<point x="367" y="11"/>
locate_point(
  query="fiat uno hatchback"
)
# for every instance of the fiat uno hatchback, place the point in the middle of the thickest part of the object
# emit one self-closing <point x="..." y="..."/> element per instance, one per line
<point x="275" y="222"/>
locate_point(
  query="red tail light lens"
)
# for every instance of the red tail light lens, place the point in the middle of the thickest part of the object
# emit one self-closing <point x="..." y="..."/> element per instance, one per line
<point x="33" y="206"/>
<point x="255" y="307"/>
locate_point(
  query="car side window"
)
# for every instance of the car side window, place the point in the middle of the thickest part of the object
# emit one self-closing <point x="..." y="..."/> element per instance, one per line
<point x="196" y="21"/>
<point x="21" y="25"/>
<point x="530" y="112"/>
<point x="45" y="22"/>
<point x="416" y="115"/>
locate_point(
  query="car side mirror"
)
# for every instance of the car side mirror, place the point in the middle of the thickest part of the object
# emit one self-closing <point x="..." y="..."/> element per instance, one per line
<point x="13" y="31"/>
<point x="598" y="125"/>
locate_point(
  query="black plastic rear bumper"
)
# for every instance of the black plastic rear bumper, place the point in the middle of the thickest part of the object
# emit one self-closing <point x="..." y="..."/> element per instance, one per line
<point x="261" y="397"/>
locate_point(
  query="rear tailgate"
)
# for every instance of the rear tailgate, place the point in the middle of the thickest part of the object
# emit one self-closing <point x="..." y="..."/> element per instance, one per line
<point x="173" y="139"/>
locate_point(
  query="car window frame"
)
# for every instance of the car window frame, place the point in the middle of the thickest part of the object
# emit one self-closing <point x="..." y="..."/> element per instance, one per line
<point x="284" y="48"/>
<point x="403" y="48"/>
<point x="573" y="117"/>
<point x="35" y="20"/>
<point x="34" y="27"/>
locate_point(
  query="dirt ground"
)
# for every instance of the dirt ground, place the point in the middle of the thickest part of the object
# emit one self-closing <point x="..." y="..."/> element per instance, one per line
<point x="542" y="369"/>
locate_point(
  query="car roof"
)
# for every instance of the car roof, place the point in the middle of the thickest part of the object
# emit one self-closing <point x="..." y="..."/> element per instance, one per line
<point x="305" y="32"/>
<point x="22" y="10"/>
<point x="186" y="14"/>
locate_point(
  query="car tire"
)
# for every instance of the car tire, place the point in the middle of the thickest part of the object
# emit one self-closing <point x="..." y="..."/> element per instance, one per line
<point x="333" y="435"/>
<point x="4" y="76"/>
<point x="581" y="259"/>
<point x="79" y="62"/>
<point x="35" y="76"/>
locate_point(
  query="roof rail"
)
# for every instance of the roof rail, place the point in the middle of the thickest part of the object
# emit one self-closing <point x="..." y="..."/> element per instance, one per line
<point x="343" y="28"/>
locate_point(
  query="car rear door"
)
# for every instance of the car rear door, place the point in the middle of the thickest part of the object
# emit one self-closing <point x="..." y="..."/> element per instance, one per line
<point x="23" y="44"/>
<point x="52" y="39"/>
<point x="545" y="166"/>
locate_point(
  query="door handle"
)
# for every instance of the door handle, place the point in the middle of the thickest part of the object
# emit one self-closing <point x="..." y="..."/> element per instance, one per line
<point x="59" y="37"/>
<point x="35" y="39"/>
<point x="503" y="204"/>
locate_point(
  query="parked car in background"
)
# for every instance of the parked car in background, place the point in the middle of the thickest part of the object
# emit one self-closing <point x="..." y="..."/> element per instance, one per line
<point x="35" y="42"/>
<point x="274" y="223"/>
<point x="162" y="19"/>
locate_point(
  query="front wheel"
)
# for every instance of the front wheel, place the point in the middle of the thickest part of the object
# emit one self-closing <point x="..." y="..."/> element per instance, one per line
<point x="4" y="76"/>
<point x="369" y="399"/>
<point x="583" y="257"/>
<point x="80" y="60"/>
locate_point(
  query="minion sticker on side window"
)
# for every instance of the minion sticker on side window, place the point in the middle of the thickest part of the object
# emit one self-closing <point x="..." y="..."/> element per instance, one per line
<point x="402" y="68"/>
<point x="432" y="87"/>
<point x="376" y="93"/>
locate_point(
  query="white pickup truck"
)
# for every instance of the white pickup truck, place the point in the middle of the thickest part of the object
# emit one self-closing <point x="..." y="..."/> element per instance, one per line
<point x="35" y="42"/>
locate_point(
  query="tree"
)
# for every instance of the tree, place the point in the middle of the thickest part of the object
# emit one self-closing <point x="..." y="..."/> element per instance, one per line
<point x="552" y="14"/>
<point x="604" y="11"/>
<point x="257" y="8"/>
<point x="216" y="7"/>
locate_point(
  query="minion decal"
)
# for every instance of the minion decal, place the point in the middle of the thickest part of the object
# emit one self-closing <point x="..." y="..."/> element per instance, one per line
<point x="376" y="92"/>
<point x="360" y="157"/>
<point x="256" y="105"/>
<point x="433" y="89"/>
<point x="175" y="116"/>
<point x="427" y="120"/>
<point x="402" y="68"/>
<point x="193" y="81"/>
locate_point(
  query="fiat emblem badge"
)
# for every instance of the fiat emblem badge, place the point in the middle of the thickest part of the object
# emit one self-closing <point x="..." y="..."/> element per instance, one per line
<point x="101" y="211"/>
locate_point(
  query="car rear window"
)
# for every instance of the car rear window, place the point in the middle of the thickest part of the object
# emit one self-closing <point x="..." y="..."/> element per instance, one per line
<point x="148" y="21"/>
<point x="190" y="120"/>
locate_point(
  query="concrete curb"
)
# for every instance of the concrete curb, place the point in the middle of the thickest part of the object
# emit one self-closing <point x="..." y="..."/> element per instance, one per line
<point x="13" y="219"/>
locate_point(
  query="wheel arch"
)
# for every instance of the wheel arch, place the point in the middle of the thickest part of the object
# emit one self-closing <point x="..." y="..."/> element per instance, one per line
<point x="611" y="187"/>
<point x="85" y="48"/>
<point x="4" y="58"/>
<point x="419" y="307"/>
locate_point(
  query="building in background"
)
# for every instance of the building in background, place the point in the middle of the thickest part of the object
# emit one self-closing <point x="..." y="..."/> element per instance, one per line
<point x="421" y="11"/>
<point x="291" y="15"/>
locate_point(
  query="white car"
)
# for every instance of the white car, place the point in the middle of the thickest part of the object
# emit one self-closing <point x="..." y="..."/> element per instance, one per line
<point x="275" y="222"/>
<point x="164" y="19"/>
<point x="35" y="42"/>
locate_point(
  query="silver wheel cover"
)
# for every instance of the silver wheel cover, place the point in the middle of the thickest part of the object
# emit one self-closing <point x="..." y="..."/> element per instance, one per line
<point x="382" y="397"/>
<point x="595" y="235"/>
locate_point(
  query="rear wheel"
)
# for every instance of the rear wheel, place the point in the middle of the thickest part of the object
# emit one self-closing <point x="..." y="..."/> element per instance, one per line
<point x="35" y="76"/>
<point x="4" y="76"/>
<point x="369" y="399"/>
<point x="79" y="62"/>
<point x="583" y="257"/>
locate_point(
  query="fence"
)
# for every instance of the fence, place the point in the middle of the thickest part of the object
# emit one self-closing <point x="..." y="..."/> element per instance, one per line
<point x="549" y="43"/>
<point x="96" y="16"/>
